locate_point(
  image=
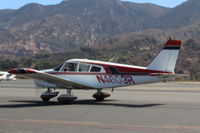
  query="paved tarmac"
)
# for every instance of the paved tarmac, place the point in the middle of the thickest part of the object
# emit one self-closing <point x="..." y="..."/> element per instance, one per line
<point x="152" y="108"/>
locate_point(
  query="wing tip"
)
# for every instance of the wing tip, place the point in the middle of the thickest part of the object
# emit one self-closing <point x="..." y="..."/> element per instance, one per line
<point x="22" y="71"/>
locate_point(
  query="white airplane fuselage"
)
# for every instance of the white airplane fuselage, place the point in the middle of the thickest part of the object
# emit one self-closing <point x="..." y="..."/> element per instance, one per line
<point x="105" y="78"/>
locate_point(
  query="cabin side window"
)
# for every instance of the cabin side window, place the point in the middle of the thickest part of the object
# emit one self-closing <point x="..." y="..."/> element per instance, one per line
<point x="84" y="67"/>
<point x="95" y="69"/>
<point x="70" y="67"/>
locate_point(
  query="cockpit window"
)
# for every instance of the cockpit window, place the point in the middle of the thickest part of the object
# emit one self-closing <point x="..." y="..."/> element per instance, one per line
<point x="95" y="69"/>
<point x="70" y="67"/>
<point x="58" y="67"/>
<point x="84" y="67"/>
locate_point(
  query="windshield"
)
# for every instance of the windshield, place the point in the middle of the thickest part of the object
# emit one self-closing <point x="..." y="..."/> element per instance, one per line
<point x="57" y="68"/>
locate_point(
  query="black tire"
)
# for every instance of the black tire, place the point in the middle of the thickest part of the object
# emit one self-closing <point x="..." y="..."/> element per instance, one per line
<point x="45" y="99"/>
<point x="100" y="99"/>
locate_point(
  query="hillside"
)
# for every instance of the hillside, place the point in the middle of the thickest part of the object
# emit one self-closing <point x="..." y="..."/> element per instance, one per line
<point x="71" y="24"/>
<point x="35" y="28"/>
<point x="185" y="14"/>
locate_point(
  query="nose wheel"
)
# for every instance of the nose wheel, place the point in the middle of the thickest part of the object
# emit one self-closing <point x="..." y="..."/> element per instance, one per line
<point x="100" y="96"/>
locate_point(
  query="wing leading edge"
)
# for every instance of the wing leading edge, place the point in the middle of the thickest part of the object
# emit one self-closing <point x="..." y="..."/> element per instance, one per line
<point x="43" y="76"/>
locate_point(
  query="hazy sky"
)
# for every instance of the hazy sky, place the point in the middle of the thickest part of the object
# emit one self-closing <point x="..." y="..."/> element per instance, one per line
<point x="14" y="4"/>
<point x="166" y="3"/>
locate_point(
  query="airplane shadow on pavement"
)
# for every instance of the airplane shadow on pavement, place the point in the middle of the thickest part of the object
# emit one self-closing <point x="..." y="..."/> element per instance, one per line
<point x="31" y="103"/>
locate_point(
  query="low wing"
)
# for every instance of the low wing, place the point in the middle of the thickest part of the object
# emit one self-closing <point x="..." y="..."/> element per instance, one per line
<point x="39" y="75"/>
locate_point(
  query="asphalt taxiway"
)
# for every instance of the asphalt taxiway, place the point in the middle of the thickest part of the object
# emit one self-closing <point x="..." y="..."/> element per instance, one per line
<point x="152" y="108"/>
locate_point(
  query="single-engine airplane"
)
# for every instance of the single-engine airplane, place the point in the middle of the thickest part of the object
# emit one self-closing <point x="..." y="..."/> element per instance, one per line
<point x="5" y="76"/>
<point x="98" y="75"/>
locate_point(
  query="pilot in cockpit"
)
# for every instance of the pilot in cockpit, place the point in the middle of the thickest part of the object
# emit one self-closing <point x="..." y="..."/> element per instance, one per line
<point x="70" y="67"/>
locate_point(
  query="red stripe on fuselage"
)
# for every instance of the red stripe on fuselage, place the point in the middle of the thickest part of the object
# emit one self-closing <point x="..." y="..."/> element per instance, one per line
<point x="123" y="69"/>
<point x="77" y="73"/>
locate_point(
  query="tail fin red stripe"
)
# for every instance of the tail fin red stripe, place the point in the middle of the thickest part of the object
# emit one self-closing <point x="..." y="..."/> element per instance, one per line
<point x="171" y="42"/>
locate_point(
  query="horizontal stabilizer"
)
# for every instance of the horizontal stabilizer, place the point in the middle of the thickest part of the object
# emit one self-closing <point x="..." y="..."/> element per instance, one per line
<point x="171" y="76"/>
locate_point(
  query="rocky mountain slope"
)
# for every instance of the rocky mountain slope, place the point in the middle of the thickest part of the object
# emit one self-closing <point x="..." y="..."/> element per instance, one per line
<point x="35" y="28"/>
<point x="185" y="14"/>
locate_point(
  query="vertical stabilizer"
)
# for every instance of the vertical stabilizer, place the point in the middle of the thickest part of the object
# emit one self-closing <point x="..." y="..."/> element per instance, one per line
<point x="167" y="57"/>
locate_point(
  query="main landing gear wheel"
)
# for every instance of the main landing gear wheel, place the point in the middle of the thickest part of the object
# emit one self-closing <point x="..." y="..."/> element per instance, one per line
<point x="100" y="96"/>
<point x="67" y="98"/>
<point x="47" y="95"/>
